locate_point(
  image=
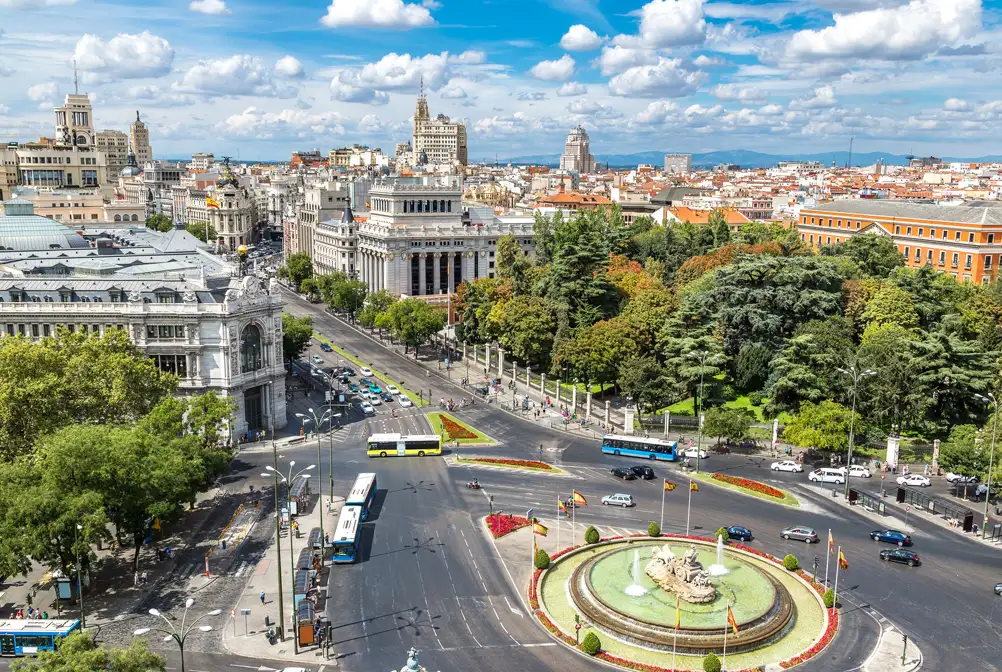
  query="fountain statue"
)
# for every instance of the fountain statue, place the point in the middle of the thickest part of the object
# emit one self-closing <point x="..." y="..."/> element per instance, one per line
<point x="683" y="576"/>
<point x="717" y="568"/>
<point x="635" y="589"/>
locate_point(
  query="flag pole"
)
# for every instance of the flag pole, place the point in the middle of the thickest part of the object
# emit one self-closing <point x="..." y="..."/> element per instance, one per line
<point x="723" y="662"/>
<point x="574" y="514"/>
<point x="835" y="594"/>
<point x="688" y="509"/>
<point x="828" y="554"/>
<point x="558" y="524"/>
<point x="662" y="524"/>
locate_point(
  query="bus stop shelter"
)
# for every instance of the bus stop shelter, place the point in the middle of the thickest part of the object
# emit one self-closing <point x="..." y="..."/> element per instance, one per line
<point x="955" y="515"/>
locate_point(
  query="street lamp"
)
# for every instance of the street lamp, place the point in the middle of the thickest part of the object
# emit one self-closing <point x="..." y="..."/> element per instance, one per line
<point x="179" y="634"/>
<point x="76" y="545"/>
<point x="856" y="375"/>
<point x="994" y="404"/>
<point x="703" y="357"/>
<point x="326" y="417"/>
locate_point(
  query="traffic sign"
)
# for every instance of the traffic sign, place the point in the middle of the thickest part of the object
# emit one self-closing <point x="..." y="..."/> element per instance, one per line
<point x="908" y="507"/>
<point x="577" y="626"/>
<point x="233" y="613"/>
<point x="528" y="514"/>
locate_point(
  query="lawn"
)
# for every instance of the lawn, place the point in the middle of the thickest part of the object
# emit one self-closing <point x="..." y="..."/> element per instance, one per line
<point x="452" y="429"/>
<point x="787" y="500"/>
<point x="685" y="407"/>
<point x="418" y="401"/>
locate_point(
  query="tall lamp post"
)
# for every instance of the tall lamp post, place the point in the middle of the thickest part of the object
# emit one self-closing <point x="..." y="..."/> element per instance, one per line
<point x="326" y="417"/>
<point x="856" y="375"/>
<point x="994" y="404"/>
<point x="179" y="634"/>
<point x="703" y="357"/>
<point x="76" y="545"/>
<point x="292" y="561"/>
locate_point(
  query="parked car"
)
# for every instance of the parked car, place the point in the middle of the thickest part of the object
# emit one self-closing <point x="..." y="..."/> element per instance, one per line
<point x="902" y="555"/>
<point x="998" y="588"/>
<point x="623" y="473"/>
<point x="348" y="371"/>
<point x="982" y="489"/>
<point x="739" y="533"/>
<point x="643" y="472"/>
<point x="316" y="359"/>
<point x="618" y="499"/>
<point x="960" y="478"/>
<point x="405" y="401"/>
<point x="393" y="389"/>
<point x="800" y="533"/>
<point x="325" y="347"/>
<point x="827" y="476"/>
<point x="787" y="465"/>
<point x="859" y="471"/>
<point x="366" y="371"/>
<point x="387" y="396"/>
<point x="891" y="537"/>
<point x="692" y="452"/>
<point x="917" y="480"/>
<point x="367" y="408"/>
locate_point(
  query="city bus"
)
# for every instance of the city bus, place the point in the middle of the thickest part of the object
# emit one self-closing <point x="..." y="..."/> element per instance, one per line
<point x="390" y="445"/>
<point x="363" y="491"/>
<point x="347" y="535"/>
<point x="638" y="446"/>
<point x="21" y="637"/>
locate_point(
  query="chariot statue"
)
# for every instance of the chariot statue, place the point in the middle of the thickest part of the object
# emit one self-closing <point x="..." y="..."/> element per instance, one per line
<point x="683" y="576"/>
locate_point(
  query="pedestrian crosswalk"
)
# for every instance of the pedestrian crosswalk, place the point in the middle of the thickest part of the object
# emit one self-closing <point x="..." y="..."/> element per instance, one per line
<point x="189" y="570"/>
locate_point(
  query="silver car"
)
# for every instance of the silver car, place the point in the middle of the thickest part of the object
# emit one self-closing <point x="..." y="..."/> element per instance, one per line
<point x="800" y="533"/>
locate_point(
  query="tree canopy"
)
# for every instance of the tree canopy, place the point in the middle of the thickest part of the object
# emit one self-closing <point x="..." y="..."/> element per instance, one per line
<point x="79" y="653"/>
<point x="298" y="267"/>
<point x="296" y="335"/>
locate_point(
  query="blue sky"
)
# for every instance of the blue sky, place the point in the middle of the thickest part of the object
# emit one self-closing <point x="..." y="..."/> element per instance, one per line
<point x="261" y="79"/>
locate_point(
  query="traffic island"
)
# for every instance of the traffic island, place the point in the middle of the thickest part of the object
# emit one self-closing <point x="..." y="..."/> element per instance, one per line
<point x="416" y="398"/>
<point x="746" y="486"/>
<point x="455" y="431"/>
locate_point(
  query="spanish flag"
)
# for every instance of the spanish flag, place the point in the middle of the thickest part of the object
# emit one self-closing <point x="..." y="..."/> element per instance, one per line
<point x="731" y="621"/>
<point x="210" y="202"/>
<point x="579" y="498"/>
<point x="678" y="611"/>
<point x="669" y="486"/>
<point x="842" y="561"/>
<point x="540" y="529"/>
<point x="831" y="543"/>
<point x="561" y="507"/>
<point x="693" y="486"/>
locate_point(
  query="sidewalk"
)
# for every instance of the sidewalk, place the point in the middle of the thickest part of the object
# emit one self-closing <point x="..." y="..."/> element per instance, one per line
<point x="245" y="634"/>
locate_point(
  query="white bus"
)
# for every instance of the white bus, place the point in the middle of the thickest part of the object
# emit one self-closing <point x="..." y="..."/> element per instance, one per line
<point x="362" y="493"/>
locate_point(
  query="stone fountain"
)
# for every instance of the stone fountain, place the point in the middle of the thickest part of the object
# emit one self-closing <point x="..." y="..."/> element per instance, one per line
<point x="635" y="589"/>
<point x="683" y="576"/>
<point x="717" y="568"/>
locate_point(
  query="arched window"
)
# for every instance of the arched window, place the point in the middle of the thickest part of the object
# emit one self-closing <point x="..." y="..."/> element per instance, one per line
<point x="419" y="206"/>
<point x="135" y="218"/>
<point x="405" y="206"/>
<point x="441" y="208"/>
<point x="250" y="349"/>
<point x="118" y="218"/>
<point x="434" y="206"/>
<point x="450" y="206"/>
<point x="427" y="205"/>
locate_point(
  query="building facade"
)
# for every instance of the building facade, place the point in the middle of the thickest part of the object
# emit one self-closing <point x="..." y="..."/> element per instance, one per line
<point x="232" y="212"/>
<point x="201" y="162"/>
<point x="437" y="141"/>
<point x="678" y="163"/>
<point x="577" y="152"/>
<point x="115" y="146"/>
<point x="139" y="137"/>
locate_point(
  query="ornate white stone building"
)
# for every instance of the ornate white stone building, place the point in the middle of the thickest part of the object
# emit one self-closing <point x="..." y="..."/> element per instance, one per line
<point x="235" y="218"/>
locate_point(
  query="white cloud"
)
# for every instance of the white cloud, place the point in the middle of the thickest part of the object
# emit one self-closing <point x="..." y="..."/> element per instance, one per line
<point x="238" y="75"/>
<point x="469" y="57"/>
<point x="151" y="95"/>
<point x="43" y="92"/>
<point x="616" y="59"/>
<point x="35" y="3"/>
<point x="909" y="32"/>
<point x="956" y="105"/>
<point x="572" y="89"/>
<point x="580" y="38"/>
<point x="554" y="71"/>
<point x="657" y="112"/>
<point x="403" y="71"/>
<point x="289" y="66"/>
<point x="824" y="97"/>
<point x="390" y="14"/>
<point x="256" y="123"/>
<point x="349" y="93"/>
<point x="667" y="78"/>
<point x="453" y="91"/>
<point x="431" y="4"/>
<point x="772" y="12"/>
<point x="770" y="110"/>
<point x="217" y="7"/>
<point x="704" y="61"/>
<point x="4" y="109"/>
<point x="593" y="109"/>
<point x="745" y="94"/>
<point x="668" y="23"/>
<point x="532" y="95"/>
<point x="124" y="56"/>
<point x="370" y="123"/>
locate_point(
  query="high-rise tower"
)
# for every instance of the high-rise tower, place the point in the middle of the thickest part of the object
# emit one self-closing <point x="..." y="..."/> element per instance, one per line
<point x="437" y="140"/>
<point x="139" y="138"/>
<point x="577" y="156"/>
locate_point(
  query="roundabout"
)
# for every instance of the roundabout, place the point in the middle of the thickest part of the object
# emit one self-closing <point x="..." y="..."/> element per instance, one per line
<point x="630" y="591"/>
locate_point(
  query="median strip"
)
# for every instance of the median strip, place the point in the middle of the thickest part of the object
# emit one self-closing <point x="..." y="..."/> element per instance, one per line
<point x="417" y="399"/>
<point x="454" y="430"/>
<point x="746" y="486"/>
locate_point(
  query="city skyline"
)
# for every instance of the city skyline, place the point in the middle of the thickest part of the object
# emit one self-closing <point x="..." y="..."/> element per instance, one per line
<point x="243" y="77"/>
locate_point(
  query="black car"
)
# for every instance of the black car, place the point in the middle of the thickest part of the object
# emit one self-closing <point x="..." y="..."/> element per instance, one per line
<point x="386" y="396"/>
<point x="325" y="347"/>
<point x="348" y="371"/>
<point x="739" y="533"/>
<point x="902" y="555"/>
<point x="643" y="472"/>
<point x="623" y="473"/>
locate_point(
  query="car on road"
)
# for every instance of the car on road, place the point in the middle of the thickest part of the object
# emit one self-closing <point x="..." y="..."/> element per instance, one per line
<point x="374" y="399"/>
<point x="827" y="476"/>
<point x="998" y="588"/>
<point x="348" y="371"/>
<point x="801" y="533"/>
<point x="325" y="347"/>
<point x="787" y="465"/>
<point x="405" y="401"/>
<point x="367" y="408"/>
<point x="740" y="533"/>
<point x="902" y="555"/>
<point x="393" y="389"/>
<point x="982" y="489"/>
<point x="643" y="472"/>
<point x="692" y="452"/>
<point x="891" y="537"/>
<point x="386" y="396"/>
<point x="354" y="387"/>
<point x="316" y="359"/>
<point x="917" y="480"/>
<point x="858" y="470"/>
<point x="375" y="389"/>
<point x="365" y="381"/>
<point x="960" y="478"/>
<point x="623" y="473"/>
<point x="366" y="371"/>
<point x="619" y="499"/>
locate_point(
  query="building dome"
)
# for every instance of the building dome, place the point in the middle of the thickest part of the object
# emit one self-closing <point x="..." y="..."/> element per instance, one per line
<point x="422" y="158"/>
<point x="132" y="169"/>
<point x="227" y="179"/>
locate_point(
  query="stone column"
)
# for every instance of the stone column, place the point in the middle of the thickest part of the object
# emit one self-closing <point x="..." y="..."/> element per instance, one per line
<point x="628" y="421"/>
<point x="500" y="364"/>
<point x="667" y="422"/>
<point x="542" y="386"/>
<point x="607" y="411"/>
<point x="588" y="405"/>
<point x="527" y="383"/>
<point x="574" y="398"/>
<point x="421" y="271"/>
<point x="436" y="285"/>
<point x="558" y="392"/>
<point x="388" y="261"/>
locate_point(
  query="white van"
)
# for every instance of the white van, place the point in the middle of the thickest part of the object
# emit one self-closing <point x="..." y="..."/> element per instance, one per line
<point x="827" y="476"/>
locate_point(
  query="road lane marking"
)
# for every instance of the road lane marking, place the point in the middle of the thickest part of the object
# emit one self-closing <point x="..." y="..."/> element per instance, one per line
<point x="511" y="608"/>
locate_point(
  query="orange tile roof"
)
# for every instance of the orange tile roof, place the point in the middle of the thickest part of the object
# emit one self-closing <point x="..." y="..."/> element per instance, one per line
<point x="703" y="216"/>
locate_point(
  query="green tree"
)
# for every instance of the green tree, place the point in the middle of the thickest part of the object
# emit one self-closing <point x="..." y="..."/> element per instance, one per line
<point x="296" y="335"/>
<point x="78" y="652"/>
<point x="894" y="395"/>
<point x="543" y="229"/>
<point x="204" y="232"/>
<point x="413" y="321"/>
<point x="349" y="296"/>
<point x="717" y="223"/>
<point x="829" y="598"/>
<point x="791" y="563"/>
<point x="297" y="268"/>
<point x="512" y="265"/>
<point x="642" y="378"/>
<point x="727" y="423"/>
<point x="653" y="530"/>
<point x="577" y="277"/>
<point x="824" y="426"/>
<point x="591" y="535"/>
<point x="965" y="452"/>
<point x="891" y="305"/>
<point x="876" y="256"/>
<point x="751" y="367"/>
<point x="935" y="294"/>
<point x="711" y="663"/>
<point x="206" y="417"/>
<point x="542" y="559"/>
<point x="527" y="326"/>
<point x="685" y="364"/>
<point x="595" y="352"/>
<point x="806" y="368"/>
<point x="376" y="304"/>
<point x="158" y="222"/>
<point x="591" y="644"/>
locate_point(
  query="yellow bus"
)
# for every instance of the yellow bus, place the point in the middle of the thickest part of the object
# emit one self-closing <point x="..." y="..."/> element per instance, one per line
<point x="397" y="445"/>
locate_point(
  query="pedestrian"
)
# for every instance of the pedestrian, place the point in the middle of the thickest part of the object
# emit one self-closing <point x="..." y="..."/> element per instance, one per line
<point x="135" y="578"/>
<point x="45" y="615"/>
<point x="262" y="597"/>
<point x="31" y="612"/>
<point x="144" y="577"/>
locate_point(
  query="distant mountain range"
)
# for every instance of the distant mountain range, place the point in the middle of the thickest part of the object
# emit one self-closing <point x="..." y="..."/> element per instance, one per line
<point x="742" y="157"/>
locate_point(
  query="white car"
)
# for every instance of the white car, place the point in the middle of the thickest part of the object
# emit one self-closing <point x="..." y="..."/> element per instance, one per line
<point x="366" y="371"/>
<point x="374" y="399"/>
<point x="692" y="452"/>
<point x="393" y="389"/>
<point x="619" y="499"/>
<point x="860" y="471"/>
<point x="405" y="401"/>
<point x="914" y="479"/>
<point x="960" y="478"/>
<point x="788" y="465"/>
<point x="367" y="408"/>
<point x="316" y="359"/>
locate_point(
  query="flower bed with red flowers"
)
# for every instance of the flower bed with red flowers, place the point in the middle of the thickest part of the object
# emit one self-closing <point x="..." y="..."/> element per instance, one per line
<point x="749" y="484"/>
<point x="533" y="596"/>
<point x="501" y="524"/>
<point x="454" y="430"/>
<point x="821" y="644"/>
<point x="644" y="667"/>
<point x="500" y="462"/>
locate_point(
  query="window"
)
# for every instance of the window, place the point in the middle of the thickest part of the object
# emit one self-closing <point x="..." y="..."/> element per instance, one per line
<point x="946" y="234"/>
<point x="967" y="264"/>
<point x="970" y="237"/>
<point x="34" y="329"/>
<point x="942" y="258"/>
<point x="988" y="262"/>
<point x="250" y="349"/>
<point x="46" y="332"/>
<point x="897" y="229"/>
<point x="921" y="231"/>
<point x="918" y="253"/>
<point x="956" y="260"/>
<point x="908" y="231"/>
<point x="957" y="236"/>
<point x="991" y="238"/>
<point x="905" y="253"/>
<point x="932" y="233"/>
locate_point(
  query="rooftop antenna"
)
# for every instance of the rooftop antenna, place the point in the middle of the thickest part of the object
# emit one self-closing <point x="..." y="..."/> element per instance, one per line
<point x="76" y="83"/>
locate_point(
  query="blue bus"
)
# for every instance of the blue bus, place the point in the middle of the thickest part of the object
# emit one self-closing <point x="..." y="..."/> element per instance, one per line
<point x="638" y="446"/>
<point x="363" y="491"/>
<point x="347" y="535"/>
<point x="22" y="637"/>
